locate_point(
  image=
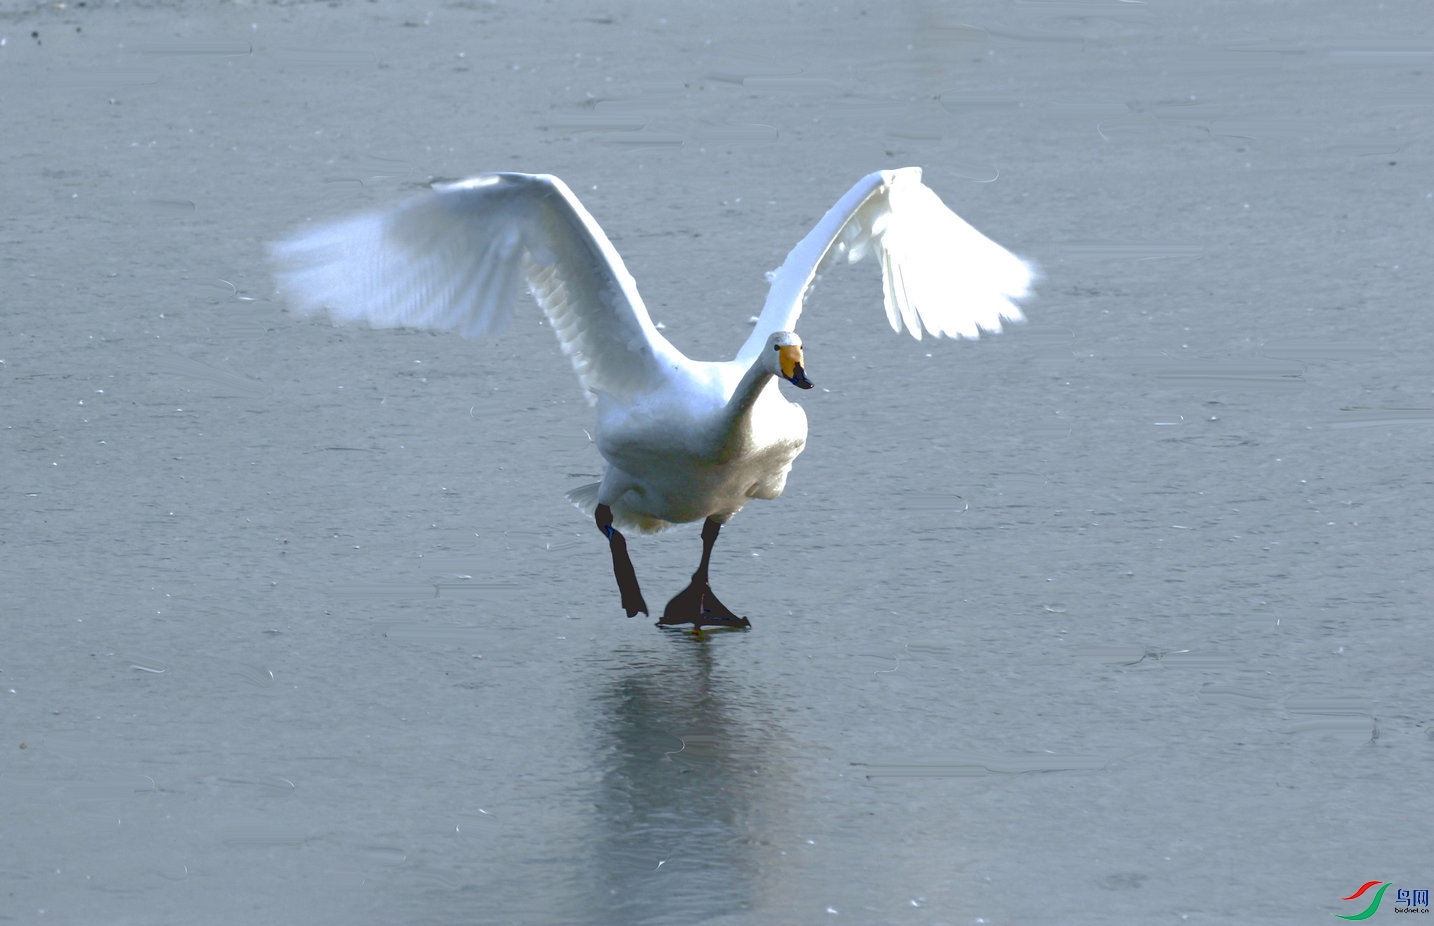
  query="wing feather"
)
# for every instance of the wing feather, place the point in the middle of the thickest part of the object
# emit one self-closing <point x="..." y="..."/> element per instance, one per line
<point x="939" y="275"/>
<point x="454" y="258"/>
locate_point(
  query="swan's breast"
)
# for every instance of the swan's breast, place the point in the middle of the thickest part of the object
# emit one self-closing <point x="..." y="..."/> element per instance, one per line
<point x="687" y="460"/>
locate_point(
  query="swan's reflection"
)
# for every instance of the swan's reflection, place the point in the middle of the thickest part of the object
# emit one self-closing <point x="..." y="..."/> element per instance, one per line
<point x="688" y="766"/>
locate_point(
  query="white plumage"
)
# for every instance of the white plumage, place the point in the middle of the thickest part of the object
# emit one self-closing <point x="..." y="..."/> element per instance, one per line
<point x="684" y="440"/>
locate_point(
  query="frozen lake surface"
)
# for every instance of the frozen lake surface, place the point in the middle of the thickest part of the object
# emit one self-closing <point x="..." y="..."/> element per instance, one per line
<point x="1121" y="616"/>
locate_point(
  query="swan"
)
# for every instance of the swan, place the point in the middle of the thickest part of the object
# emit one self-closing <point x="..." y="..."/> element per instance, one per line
<point x="684" y="440"/>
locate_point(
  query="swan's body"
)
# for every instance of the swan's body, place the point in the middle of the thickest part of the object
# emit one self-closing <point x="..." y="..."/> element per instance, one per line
<point x="684" y="440"/>
<point x="710" y="440"/>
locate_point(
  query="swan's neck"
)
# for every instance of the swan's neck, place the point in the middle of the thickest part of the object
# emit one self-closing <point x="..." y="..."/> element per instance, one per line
<point x="744" y="398"/>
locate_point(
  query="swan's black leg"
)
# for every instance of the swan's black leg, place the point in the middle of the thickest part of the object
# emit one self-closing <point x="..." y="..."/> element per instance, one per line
<point x="696" y="605"/>
<point x="621" y="564"/>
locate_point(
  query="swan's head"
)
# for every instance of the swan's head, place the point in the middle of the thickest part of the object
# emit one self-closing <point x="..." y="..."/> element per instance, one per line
<point x="784" y="358"/>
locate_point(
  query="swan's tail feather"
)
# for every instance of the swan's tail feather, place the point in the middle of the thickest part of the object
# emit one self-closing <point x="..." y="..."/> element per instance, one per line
<point x="585" y="497"/>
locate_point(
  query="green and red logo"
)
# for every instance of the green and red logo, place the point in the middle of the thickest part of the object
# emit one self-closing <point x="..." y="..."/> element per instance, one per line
<point x="1409" y="901"/>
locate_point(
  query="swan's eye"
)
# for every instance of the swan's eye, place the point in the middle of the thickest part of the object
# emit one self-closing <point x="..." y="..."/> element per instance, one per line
<point x="776" y="347"/>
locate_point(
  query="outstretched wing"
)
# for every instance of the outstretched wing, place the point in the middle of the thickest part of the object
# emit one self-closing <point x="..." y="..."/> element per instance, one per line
<point x="452" y="259"/>
<point x="939" y="273"/>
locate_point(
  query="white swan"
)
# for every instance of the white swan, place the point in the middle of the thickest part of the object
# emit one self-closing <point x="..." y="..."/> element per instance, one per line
<point x="684" y="440"/>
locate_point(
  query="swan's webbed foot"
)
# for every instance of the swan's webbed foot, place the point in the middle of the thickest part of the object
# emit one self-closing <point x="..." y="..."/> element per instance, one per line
<point x="632" y="601"/>
<point x="696" y="605"/>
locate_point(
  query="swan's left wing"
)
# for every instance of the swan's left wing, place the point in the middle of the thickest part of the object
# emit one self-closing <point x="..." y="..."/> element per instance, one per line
<point x="453" y="259"/>
<point x="939" y="273"/>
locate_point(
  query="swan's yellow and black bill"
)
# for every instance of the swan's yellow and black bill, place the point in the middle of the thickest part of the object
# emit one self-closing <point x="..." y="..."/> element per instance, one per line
<point x="790" y="357"/>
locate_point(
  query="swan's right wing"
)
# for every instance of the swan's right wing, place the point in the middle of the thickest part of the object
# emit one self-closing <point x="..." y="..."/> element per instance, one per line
<point x="939" y="273"/>
<point x="452" y="260"/>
